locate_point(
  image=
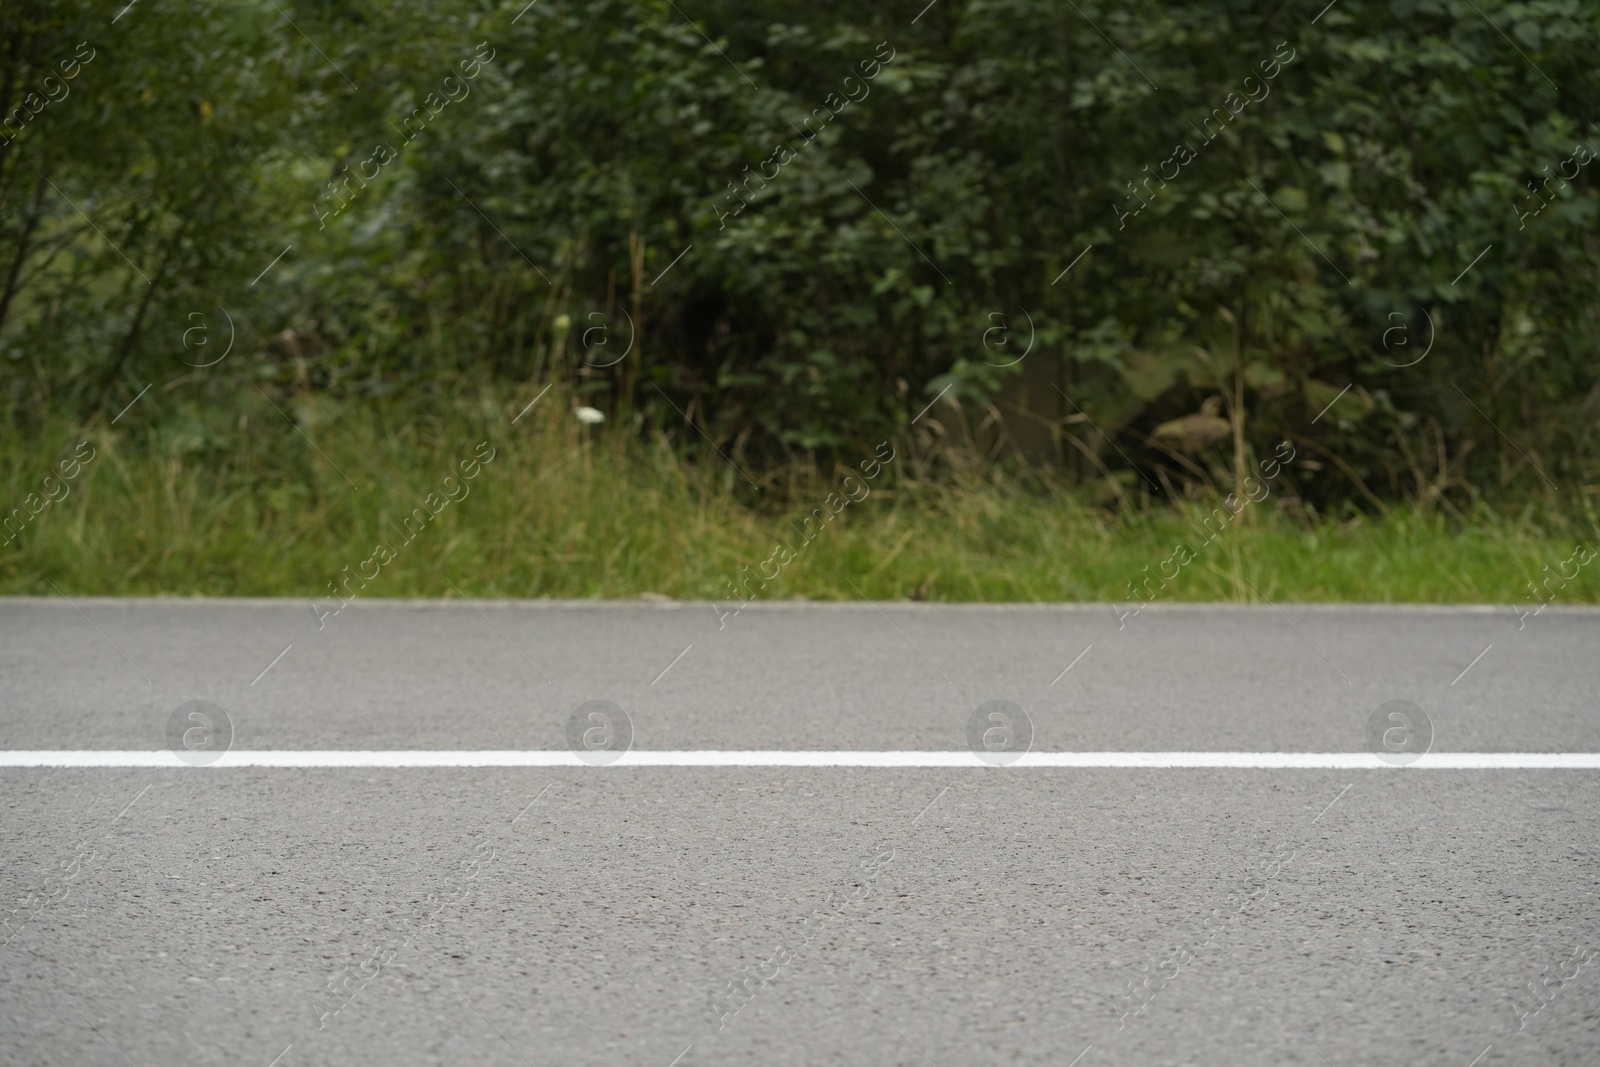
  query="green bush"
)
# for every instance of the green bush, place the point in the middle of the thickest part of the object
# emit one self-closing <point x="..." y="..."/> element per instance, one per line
<point x="1262" y="214"/>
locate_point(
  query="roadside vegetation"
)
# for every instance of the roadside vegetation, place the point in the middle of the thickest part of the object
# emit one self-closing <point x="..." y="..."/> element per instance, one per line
<point x="265" y="284"/>
<point x="185" y="503"/>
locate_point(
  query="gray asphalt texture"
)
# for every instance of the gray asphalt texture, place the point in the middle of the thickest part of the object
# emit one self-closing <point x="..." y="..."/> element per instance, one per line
<point x="874" y="916"/>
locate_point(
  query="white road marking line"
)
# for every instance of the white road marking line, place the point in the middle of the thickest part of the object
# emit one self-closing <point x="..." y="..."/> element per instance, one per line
<point x="1297" y="761"/>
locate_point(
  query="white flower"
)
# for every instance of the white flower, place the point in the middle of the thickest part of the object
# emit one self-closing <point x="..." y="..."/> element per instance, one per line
<point x="591" y="416"/>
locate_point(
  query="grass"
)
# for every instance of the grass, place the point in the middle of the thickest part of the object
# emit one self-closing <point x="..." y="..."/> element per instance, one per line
<point x="236" y="501"/>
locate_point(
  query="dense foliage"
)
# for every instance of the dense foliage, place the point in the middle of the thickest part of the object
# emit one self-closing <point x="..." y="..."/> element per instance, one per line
<point x="802" y="223"/>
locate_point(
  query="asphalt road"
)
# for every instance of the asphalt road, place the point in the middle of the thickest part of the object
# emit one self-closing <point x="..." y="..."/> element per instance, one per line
<point x="842" y="915"/>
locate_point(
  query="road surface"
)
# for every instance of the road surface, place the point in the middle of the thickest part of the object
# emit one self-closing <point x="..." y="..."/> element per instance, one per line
<point x="729" y="912"/>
